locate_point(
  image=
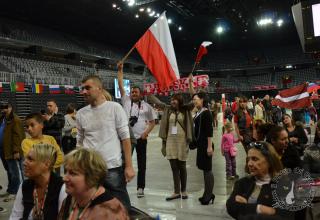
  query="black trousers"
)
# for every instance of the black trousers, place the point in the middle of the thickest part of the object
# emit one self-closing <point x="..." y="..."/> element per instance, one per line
<point x="141" y="149"/>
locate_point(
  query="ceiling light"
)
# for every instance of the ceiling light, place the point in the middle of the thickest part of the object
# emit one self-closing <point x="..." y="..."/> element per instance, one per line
<point x="137" y="16"/>
<point x="180" y="28"/>
<point x="152" y="13"/>
<point x="265" y="21"/>
<point x="114" y="5"/>
<point x="141" y="9"/>
<point x="220" y="30"/>
<point x="169" y="21"/>
<point x="148" y="10"/>
<point x="158" y="15"/>
<point x="279" y="22"/>
<point x="131" y="3"/>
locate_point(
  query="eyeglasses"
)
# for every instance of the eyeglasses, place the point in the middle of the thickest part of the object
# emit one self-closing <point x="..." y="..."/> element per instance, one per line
<point x="260" y="146"/>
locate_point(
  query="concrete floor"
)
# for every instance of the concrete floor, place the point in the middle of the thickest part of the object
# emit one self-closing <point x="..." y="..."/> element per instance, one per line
<point x="159" y="184"/>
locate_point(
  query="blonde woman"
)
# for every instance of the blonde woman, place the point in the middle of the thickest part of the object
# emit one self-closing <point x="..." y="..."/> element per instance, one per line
<point x="85" y="173"/>
<point x="41" y="195"/>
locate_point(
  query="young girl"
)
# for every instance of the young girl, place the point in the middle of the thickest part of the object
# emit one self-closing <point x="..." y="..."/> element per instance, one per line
<point x="229" y="151"/>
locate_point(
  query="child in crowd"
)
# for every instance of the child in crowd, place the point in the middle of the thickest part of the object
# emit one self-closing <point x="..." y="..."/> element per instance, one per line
<point x="229" y="151"/>
<point x="34" y="127"/>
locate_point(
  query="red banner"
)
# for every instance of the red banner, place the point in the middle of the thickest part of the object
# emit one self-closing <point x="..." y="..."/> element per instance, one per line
<point x="179" y="85"/>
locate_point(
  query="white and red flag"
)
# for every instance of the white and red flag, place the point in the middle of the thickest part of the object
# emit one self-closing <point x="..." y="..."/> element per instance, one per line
<point x="293" y="98"/>
<point x="156" y="50"/>
<point x="202" y="50"/>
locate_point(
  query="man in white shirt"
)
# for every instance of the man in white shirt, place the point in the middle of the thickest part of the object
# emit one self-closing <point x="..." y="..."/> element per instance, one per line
<point x="141" y="120"/>
<point x="103" y="126"/>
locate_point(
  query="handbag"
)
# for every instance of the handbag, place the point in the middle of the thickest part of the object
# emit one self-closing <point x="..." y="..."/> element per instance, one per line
<point x="233" y="151"/>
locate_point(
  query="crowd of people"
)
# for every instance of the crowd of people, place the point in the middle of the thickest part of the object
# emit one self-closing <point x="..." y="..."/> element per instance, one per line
<point x="95" y="145"/>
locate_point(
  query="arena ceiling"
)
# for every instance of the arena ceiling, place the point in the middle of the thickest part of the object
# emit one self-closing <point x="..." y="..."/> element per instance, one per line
<point x="118" y="26"/>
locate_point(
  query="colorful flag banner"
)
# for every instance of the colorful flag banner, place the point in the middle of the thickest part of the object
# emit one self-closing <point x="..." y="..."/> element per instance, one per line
<point x="17" y="86"/>
<point x="37" y="88"/>
<point x="54" y="89"/>
<point x="180" y="85"/>
<point x="68" y="89"/>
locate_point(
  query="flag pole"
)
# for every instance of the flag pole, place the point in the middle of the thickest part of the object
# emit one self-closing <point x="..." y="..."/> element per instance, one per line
<point x="194" y="67"/>
<point x="126" y="56"/>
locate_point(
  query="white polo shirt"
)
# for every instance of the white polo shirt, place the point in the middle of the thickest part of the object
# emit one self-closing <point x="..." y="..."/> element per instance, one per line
<point x="145" y="113"/>
<point x="101" y="129"/>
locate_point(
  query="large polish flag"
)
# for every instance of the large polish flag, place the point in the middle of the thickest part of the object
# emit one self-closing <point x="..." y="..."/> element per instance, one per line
<point x="293" y="98"/>
<point x="156" y="50"/>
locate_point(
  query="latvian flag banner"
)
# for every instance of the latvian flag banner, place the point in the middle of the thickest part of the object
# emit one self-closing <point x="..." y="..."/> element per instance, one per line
<point x="68" y="89"/>
<point x="37" y="88"/>
<point x="293" y="98"/>
<point x="54" y="89"/>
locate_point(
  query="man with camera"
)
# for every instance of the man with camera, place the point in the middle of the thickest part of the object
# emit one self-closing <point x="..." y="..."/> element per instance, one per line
<point x="141" y="120"/>
<point x="11" y="136"/>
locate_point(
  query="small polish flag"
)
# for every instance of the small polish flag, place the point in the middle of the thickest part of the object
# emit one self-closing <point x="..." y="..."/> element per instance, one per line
<point x="156" y="49"/>
<point x="202" y="50"/>
<point x="293" y="98"/>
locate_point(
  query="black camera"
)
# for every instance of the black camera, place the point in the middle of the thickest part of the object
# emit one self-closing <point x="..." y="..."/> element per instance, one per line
<point x="133" y="120"/>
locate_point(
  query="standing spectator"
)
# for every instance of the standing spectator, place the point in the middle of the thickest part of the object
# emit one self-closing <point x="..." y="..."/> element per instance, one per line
<point x="243" y="123"/>
<point x="258" y="112"/>
<point x="276" y="114"/>
<point x="313" y="113"/>
<point x="103" y="126"/>
<point x="229" y="151"/>
<point x="297" y="134"/>
<point x="235" y="105"/>
<point x="216" y="109"/>
<point x="69" y="131"/>
<point x="267" y="107"/>
<point x="176" y="133"/>
<point x="141" y="120"/>
<point x="53" y="121"/>
<point x="250" y="107"/>
<point x="228" y="112"/>
<point x="203" y="133"/>
<point x="11" y="136"/>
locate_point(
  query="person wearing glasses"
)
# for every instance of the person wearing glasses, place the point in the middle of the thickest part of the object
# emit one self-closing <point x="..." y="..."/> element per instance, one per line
<point x="251" y="197"/>
<point x="243" y="123"/>
<point x="203" y="131"/>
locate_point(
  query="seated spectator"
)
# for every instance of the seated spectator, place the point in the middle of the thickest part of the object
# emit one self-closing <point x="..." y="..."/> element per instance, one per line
<point x="296" y="132"/>
<point x="287" y="152"/>
<point x="34" y="126"/>
<point x="252" y="195"/>
<point x="85" y="173"/>
<point x="41" y="195"/>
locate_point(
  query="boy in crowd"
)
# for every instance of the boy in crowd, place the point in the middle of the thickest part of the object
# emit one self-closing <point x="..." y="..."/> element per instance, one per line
<point x="34" y="127"/>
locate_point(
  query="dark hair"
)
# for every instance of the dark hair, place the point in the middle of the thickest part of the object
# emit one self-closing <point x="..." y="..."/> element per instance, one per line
<point x="70" y="108"/>
<point x="136" y="87"/>
<point x="35" y="116"/>
<point x="274" y="133"/>
<point x="179" y="98"/>
<point x="52" y="100"/>
<point x="258" y="101"/>
<point x="204" y="97"/>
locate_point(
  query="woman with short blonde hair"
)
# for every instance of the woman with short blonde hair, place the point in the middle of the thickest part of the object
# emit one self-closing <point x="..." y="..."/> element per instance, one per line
<point x="85" y="173"/>
<point x="41" y="195"/>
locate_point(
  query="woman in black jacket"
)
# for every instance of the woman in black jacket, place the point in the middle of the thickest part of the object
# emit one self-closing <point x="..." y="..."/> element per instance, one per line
<point x="41" y="195"/>
<point x="203" y="135"/>
<point x="296" y="133"/>
<point x="252" y="195"/>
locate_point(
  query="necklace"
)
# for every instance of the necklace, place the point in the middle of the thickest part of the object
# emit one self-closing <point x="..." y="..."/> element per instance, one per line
<point x="39" y="204"/>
